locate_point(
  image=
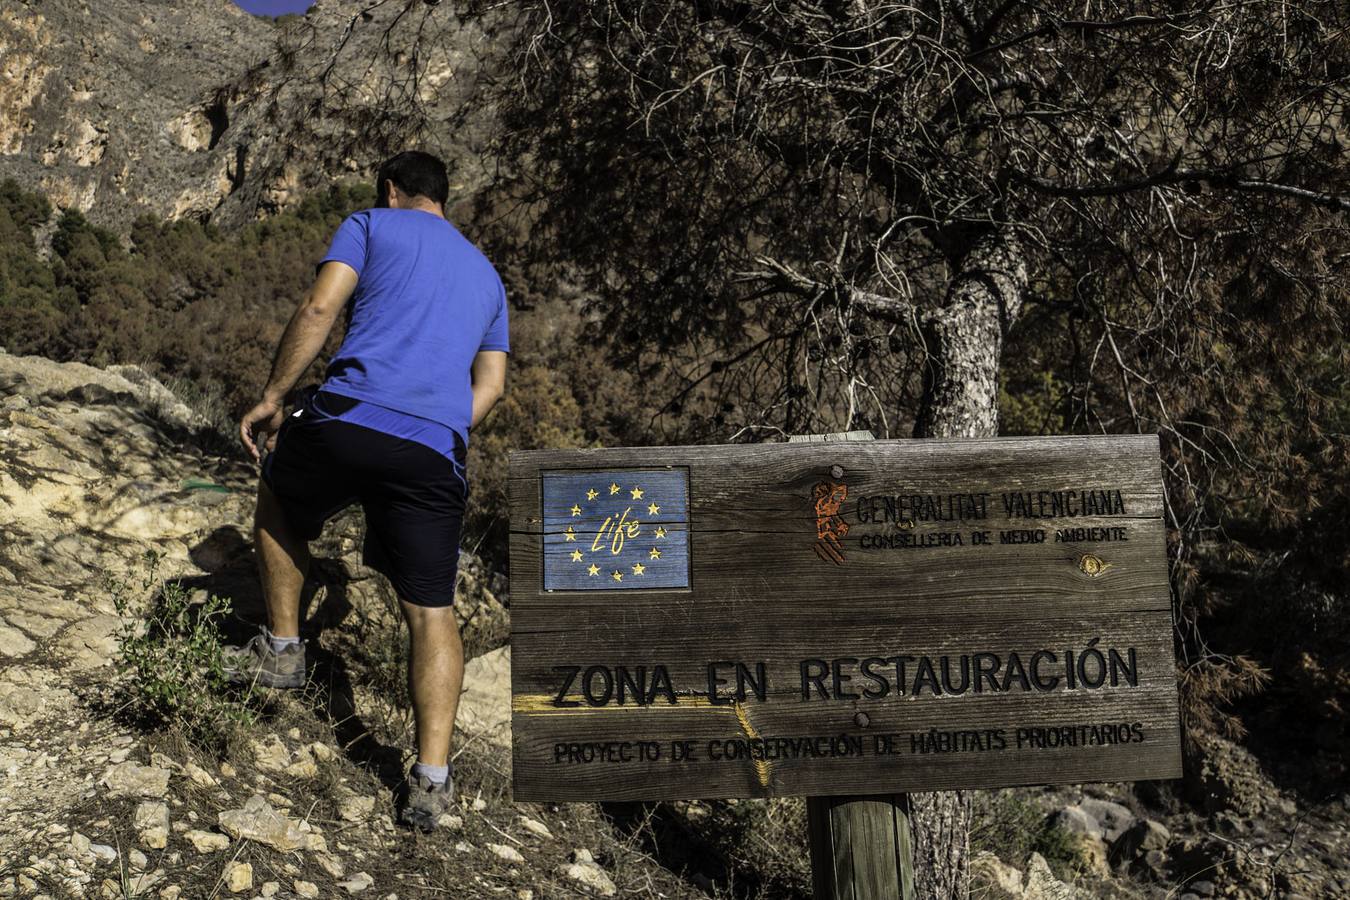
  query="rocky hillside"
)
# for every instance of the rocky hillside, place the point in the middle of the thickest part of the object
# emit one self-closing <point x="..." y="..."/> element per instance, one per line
<point x="117" y="107"/>
<point x="99" y="465"/>
<point x="96" y="467"/>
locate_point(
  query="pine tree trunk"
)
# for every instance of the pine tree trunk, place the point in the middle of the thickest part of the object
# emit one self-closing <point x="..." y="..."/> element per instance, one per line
<point x="965" y="340"/>
<point x="960" y="399"/>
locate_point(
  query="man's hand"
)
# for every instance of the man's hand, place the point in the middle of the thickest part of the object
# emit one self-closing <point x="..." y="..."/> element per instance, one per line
<point x="300" y="345"/>
<point x="260" y="426"/>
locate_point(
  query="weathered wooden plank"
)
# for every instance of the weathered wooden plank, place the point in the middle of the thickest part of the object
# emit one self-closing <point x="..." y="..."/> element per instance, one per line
<point x="645" y="781"/>
<point x="730" y="570"/>
<point x="540" y="726"/>
<point x="832" y="555"/>
<point x="730" y="483"/>
<point x="780" y="643"/>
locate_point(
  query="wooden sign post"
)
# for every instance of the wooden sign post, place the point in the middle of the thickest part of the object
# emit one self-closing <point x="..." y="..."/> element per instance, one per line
<point x="861" y="846"/>
<point x="839" y="619"/>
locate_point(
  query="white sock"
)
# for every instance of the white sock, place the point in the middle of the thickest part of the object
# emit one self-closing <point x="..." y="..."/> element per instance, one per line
<point x="434" y="774"/>
<point x="279" y="644"/>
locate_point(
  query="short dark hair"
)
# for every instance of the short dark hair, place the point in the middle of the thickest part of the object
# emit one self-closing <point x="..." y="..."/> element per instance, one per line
<point x="416" y="174"/>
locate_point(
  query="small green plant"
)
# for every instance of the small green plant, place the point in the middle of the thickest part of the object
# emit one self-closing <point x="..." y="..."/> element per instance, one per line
<point x="1013" y="828"/>
<point x="171" y="659"/>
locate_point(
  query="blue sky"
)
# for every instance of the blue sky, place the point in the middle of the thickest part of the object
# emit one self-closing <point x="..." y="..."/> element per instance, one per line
<point x="273" y="7"/>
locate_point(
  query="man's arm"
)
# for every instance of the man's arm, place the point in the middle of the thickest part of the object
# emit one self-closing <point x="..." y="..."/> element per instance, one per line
<point x="300" y="344"/>
<point x="488" y="374"/>
<point x="309" y="328"/>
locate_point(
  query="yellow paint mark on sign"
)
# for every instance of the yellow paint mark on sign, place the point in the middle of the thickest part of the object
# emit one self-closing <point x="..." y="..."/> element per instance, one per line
<point x="762" y="770"/>
<point x="542" y="705"/>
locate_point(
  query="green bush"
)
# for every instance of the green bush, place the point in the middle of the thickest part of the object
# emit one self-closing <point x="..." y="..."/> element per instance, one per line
<point x="170" y="659"/>
<point x="180" y="299"/>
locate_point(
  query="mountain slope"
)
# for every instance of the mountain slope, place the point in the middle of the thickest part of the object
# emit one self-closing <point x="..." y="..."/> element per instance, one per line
<point x="199" y="109"/>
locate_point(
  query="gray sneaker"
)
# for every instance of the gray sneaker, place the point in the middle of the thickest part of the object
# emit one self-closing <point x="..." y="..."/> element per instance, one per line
<point x="427" y="801"/>
<point x="256" y="663"/>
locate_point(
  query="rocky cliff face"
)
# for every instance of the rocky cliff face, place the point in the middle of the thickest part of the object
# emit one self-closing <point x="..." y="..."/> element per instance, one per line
<point x="117" y="107"/>
<point x="92" y="466"/>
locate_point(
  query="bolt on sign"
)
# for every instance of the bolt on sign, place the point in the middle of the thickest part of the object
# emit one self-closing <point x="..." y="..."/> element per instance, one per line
<point x="839" y="618"/>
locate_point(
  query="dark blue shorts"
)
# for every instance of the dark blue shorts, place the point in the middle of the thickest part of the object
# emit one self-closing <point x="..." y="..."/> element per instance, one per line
<point x="412" y="496"/>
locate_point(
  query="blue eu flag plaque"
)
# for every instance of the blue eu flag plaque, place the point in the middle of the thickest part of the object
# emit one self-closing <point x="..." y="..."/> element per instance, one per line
<point x="616" y="530"/>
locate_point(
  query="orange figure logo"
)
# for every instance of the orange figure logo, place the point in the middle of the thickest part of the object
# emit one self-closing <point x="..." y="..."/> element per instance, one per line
<point x="830" y="526"/>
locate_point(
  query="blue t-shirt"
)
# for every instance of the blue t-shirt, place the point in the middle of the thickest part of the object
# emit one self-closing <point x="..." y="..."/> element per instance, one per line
<point x="426" y="302"/>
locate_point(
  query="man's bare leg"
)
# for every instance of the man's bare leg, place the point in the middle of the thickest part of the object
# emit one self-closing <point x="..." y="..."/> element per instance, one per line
<point x="435" y="674"/>
<point x="283" y="560"/>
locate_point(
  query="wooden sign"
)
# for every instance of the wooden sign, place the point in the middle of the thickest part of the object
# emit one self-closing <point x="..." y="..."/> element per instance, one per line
<point x="846" y="618"/>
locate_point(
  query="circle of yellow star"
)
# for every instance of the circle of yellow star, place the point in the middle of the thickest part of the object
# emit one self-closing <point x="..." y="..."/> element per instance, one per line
<point x="613" y="488"/>
<point x="639" y="568"/>
<point x="655" y="554"/>
<point x="576" y="510"/>
<point x="660" y="532"/>
<point x="637" y="493"/>
<point x="653" y="508"/>
<point x="592" y="494"/>
<point x="569" y="534"/>
<point x="576" y="556"/>
<point x="618" y="576"/>
<point x="593" y="570"/>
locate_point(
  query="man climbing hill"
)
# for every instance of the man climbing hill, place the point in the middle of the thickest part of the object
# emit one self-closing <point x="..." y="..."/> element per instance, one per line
<point x="423" y="360"/>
